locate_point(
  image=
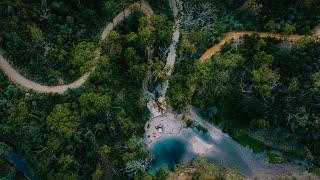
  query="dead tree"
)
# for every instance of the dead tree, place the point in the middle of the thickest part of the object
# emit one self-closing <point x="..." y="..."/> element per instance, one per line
<point x="200" y="15"/>
<point x="133" y="167"/>
<point x="45" y="9"/>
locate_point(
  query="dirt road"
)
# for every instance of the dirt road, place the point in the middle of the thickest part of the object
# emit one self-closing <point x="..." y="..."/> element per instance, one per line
<point x="23" y="82"/>
<point x="237" y="35"/>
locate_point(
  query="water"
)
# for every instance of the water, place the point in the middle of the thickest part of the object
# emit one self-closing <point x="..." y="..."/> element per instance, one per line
<point x="168" y="153"/>
<point x="171" y="151"/>
<point x="18" y="163"/>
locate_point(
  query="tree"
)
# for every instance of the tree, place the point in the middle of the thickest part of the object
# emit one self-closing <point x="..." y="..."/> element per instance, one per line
<point x="68" y="167"/>
<point x="136" y="167"/>
<point x="53" y="143"/>
<point x="201" y="15"/>
<point x="298" y="120"/>
<point x="146" y="32"/>
<point x="19" y="112"/>
<point x="262" y="58"/>
<point x="63" y="120"/>
<point x="259" y="124"/>
<point x="157" y="74"/>
<point x="272" y="26"/>
<point x="250" y="9"/>
<point x="98" y="173"/>
<point x="289" y="29"/>
<point x="266" y="79"/>
<point x="84" y="52"/>
<point x="105" y="151"/>
<point x="310" y="5"/>
<point x="36" y="34"/>
<point x="162" y="173"/>
<point x="316" y="79"/>
<point x="94" y="104"/>
<point x="163" y="29"/>
<point x="213" y="77"/>
<point x="204" y="169"/>
<point x="112" y="45"/>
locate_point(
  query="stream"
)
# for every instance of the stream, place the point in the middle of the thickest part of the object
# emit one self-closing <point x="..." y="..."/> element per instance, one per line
<point x="17" y="161"/>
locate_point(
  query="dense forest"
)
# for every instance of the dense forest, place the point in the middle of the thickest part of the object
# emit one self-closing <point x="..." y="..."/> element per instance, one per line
<point x="91" y="132"/>
<point x="265" y="84"/>
<point x="50" y="34"/>
<point x="264" y="92"/>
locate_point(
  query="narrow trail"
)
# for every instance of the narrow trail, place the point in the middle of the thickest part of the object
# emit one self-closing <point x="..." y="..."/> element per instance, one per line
<point x="230" y="149"/>
<point x="158" y="105"/>
<point x="25" y="83"/>
<point x="171" y="59"/>
<point x="145" y="8"/>
<point x="238" y="35"/>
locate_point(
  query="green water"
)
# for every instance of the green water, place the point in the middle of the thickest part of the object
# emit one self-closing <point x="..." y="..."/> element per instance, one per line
<point x="168" y="153"/>
<point x="171" y="151"/>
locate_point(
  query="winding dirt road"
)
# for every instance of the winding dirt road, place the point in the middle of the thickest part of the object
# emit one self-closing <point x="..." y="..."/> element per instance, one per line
<point x="238" y="35"/>
<point x="233" y="149"/>
<point x="145" y="8"/>
<point x="25" y="83"/>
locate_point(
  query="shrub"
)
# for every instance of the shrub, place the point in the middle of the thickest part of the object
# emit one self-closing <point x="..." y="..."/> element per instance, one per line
<point x="259" y="124"/>
<point x="275" y="159"/>
<point x="246" y="140"/>
<point x="202" y="129"/>
<point x="189" y="123"/>
<point x="315" y="170"/>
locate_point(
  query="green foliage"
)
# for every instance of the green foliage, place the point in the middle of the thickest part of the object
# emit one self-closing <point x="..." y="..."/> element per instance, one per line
<point x="44" y="34"/>
<point x="36" y="33"/>
<point x="105" y="150"/>
<point x="246" y="140"/>
<point x="259" y="124"/>
<point x="63" y="120"/>
<point x="272" y="26"/>
<point x="204" y="170"/>
<point x="202" y="129"/>
<point x="275" y="159"/>
<point x="67" y="163"/>
<point x="189" y="123"/>
<point x="53" y="143"/>
<point x="94" y="104"/>
<point x="161" y="174"/>
<point x="316" y="78"/>
<point x="98" y="173"/>
<point x="266" y="90"/>
<point x="305" y="153"/>
<point x="315" y="170"/>
<point x="250" y="10"/>
<point x="86" y="132"/>
<point x="19" y="113"/>
<point x="84" y="52"/>
<point x="289" y="29"/>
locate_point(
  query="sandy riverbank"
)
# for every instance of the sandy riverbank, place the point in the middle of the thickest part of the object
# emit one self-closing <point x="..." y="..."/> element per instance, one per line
<point x="172" y="125"/>
<point x="218" y="147"/>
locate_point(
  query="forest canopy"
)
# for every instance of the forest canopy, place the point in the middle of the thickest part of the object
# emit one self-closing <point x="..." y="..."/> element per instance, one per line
<point x="264" y="92"/>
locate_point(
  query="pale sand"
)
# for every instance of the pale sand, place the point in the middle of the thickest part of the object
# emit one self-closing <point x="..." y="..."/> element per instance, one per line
<point x="172" y="125"/>
<point x="220" y="147"/>
<point x="200" y="147"/>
